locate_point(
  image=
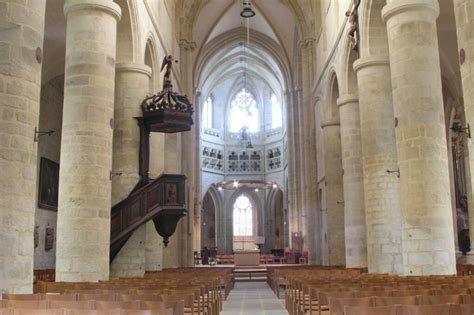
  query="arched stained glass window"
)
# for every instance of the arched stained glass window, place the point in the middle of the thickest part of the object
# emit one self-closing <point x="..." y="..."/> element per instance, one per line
<point x="207" y="113"/>
<point x="276" y="112"/>
<point x="243" y="216"/>
<point x="243" y="112"/>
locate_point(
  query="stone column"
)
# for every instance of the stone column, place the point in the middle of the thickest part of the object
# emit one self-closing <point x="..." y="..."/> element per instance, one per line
<point x="132" y="84"/>
<point x="354" y="212"/>
<point x="334" y="193"/>
<point x="86" y="148"/>
<point x="188" y="148"/>
<point x="379" y="154"/>
<point x="425" y="197"/>
<point x="464" y="12"/>
<point x="291" y="164"/>
<point x="310" y="195"/>
<point x="21" y="37"/>
<point x="291" y="224"/>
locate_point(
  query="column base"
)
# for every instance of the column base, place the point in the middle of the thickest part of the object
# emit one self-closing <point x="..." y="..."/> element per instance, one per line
<point x="467" y="259"/>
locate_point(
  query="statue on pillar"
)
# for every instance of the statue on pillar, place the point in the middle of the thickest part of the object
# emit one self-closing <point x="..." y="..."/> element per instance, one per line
<point x="353" y="15"/>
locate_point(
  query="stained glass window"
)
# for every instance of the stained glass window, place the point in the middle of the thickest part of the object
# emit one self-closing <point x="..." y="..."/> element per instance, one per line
<point x="207" y="113"/>
<point x="243" y="112"/>
<point x="276" y="112"/>
<point x="242" y="216"/>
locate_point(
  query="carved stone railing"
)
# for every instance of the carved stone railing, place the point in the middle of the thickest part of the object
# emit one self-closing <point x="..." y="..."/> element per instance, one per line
<point x="161" y="200"/>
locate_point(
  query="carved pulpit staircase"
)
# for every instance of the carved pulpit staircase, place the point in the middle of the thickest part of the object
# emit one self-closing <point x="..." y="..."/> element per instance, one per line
<point x="162" y="200"/>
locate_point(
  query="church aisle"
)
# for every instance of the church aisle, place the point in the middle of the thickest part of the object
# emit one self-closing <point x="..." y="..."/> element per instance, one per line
<point x="253" y="298"/>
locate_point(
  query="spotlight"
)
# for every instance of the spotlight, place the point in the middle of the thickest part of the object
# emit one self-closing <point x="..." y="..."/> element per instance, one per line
<point x="236" y="183"/>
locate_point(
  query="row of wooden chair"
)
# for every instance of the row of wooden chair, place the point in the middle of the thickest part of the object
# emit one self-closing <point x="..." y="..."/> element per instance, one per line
<point x="20" y="311"/>
<point x="169" y="307"/>
<point x="446" y="309"/>
<point x="44" y="275"/>
<point x="338" y="304"/>
<point x="308" y="291"/>
<point x="199" y="291"/>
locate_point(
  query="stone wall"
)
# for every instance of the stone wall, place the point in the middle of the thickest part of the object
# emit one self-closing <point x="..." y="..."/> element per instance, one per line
<point x="51" y="108"/>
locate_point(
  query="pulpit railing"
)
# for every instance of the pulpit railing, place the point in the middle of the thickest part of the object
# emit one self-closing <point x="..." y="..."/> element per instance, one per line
<point x="163" y="197"/>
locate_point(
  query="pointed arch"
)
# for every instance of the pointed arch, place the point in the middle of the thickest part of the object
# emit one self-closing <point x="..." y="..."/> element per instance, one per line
<point x="373" y="31"/>
<point x="127" y="32"/>
<point x="150" y="58"/>
<point x="331" y="111"/>
<point x="349" y="76"/>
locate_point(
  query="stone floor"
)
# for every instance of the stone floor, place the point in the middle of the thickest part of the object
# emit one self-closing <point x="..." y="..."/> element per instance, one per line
<point x="253" y="298"/>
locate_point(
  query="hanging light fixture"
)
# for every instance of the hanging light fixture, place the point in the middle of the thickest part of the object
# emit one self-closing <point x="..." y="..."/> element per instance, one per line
<point x="255" y="185"/>
<point x="247" y="11"/>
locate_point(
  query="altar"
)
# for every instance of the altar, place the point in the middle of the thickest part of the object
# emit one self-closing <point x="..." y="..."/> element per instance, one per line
<point x="247" y="257"/>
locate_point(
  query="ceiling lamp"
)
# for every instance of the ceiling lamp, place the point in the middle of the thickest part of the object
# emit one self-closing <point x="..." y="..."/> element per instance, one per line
<point x="247" y="11"/>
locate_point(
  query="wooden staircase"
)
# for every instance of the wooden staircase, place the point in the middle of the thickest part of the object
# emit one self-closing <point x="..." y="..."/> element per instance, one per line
<point x="161" y="200"/>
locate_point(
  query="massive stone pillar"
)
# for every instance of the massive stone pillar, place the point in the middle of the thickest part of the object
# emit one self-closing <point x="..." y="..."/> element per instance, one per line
<point x="354" y="212"/>
<point x="379" y="154"/>
<point x="425" y="197"/>
<point x="309" y="176"/>
<point x="293" y="210"/>
<point x="21" y="37"/>
<point x="464" y="12"/>
<point x="189" y="148"/>
<point x="334" y="212"/>
<point x="86" y="148"/>
<point x="131" y="87"/>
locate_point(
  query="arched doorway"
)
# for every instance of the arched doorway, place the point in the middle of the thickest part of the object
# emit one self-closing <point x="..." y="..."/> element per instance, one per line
<point x="208" y="222"/>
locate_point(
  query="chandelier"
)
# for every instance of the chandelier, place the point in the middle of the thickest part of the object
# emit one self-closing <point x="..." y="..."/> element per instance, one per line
<point x="246" y="184"/>
<point x="247" y="13"/>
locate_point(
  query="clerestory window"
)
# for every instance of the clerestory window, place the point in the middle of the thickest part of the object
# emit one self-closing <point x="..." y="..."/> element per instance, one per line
<point x="207" y="113"/>
<point x="276" y="112"/>
<point x="243" y="113"/>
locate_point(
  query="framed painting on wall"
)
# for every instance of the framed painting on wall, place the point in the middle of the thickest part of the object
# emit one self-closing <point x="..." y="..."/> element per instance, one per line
<point x="48" y="185"/>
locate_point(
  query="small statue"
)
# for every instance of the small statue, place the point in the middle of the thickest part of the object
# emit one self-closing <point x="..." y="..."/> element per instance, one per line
<point x="354" y="25"/>
<point x="168" y="62"/>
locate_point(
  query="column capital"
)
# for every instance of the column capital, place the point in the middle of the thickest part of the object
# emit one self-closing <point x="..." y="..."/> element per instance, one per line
<point x="401" y="6"/>
<point x="347" y="99"/>
<point x="106" y="6"/>
<point x="134" y="67"/>
<point x="371" y="61"/>
<point x="187" y="44"/>
<point x="330" y="123"/>
<point x="307" y="42"/>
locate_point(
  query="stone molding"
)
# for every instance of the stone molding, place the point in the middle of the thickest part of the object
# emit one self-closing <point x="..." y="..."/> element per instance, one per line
<point x="330" y="123"/>
<point x="134" y="67"/>
<point x="371" y="61"/>
<point x="106" y="6"/>
<point x="401" y="6"/>
<point x="187" y="44"/>
<point x="347" y="99"/>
